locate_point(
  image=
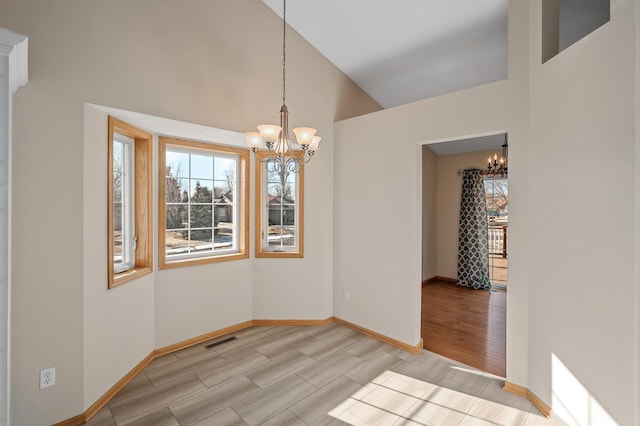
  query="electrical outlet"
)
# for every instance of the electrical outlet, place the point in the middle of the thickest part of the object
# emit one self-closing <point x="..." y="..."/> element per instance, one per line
<point x="346" y="296"/>
<point x="47" y="377"/>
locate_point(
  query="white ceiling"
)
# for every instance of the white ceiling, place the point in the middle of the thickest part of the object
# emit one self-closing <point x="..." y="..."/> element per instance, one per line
<point x="403" y="51"/>
<point x="472" y="144"/>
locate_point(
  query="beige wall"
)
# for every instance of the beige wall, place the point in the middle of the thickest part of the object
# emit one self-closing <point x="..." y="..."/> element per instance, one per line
<point x="448" y="205"/>
<point x="212" y="63"/>
<point x="112" y="319"/>
<point x="386" y="274"/>
<point x="583" y="121"/>
<point x="567" y="299"/>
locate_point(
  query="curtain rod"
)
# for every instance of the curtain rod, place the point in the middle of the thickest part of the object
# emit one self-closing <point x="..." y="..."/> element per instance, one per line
<point x="483" y="173"/>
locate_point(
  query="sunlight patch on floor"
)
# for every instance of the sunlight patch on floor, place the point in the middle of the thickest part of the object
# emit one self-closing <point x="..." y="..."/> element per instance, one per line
<point x="477" y="372"/>
<point x="395" y="399"/>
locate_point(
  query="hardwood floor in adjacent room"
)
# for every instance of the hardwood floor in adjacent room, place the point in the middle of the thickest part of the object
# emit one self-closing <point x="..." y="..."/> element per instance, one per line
<point x="466" y="325"/>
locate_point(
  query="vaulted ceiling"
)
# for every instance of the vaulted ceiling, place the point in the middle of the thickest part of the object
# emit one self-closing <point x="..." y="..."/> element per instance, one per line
<point x="403" y="51"/>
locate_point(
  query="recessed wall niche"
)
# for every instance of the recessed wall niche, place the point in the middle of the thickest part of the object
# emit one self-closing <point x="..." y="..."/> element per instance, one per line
<point x="564" y="22"/>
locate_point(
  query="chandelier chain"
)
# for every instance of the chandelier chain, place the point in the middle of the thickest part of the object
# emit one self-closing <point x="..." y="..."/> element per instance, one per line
<point x="281" y="156"/>
<point x="284" y="52"/>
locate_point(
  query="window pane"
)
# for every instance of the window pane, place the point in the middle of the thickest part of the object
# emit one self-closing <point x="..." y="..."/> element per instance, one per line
<point x="280" y="214"/>
<point x="281" y="236"/>
<point x="224" y="238"/>
<point x="201" y="240"/>
<point x="201" y="216"/>
<point x="176" y="216"/>
<point x="117" y="153"/>
<point x="201" y="191"/>
<point x="118" y="171"/>
<point x="176" y="242"/>
<point x="201" y="166"/>
<point x="274" y="190"/>
<point x="177" y="163"/>
<point x="280" y="196"/>
<point x="117" y="218"/>
<point x="223" y="192"/>
<point x="273" y="177"/>
<point x="497" y="196"/>
<point x="176" y="190"/>
<point x="289" y="193"/>
<point x="230" y="196"/>
<point x="223" y="215"/>
<point x="117" y="234"/>
<point x="225" y="169"/>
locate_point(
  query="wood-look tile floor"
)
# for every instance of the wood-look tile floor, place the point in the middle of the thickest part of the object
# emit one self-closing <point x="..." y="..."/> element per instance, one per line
<point x="312" y="375"/>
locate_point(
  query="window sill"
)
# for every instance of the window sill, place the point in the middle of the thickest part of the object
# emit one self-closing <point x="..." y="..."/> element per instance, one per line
<point x="168" y="264"/>
<point x="281" y="254"/>
<point x="130" y="275"/>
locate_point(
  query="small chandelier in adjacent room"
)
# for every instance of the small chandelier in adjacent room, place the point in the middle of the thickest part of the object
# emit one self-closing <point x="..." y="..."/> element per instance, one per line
<point x="281" y="157"/>
<point x="499" y="166"/>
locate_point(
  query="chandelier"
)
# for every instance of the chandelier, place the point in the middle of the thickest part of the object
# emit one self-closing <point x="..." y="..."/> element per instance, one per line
<point x="280" y="156"/>
<point x="499" y="166"/>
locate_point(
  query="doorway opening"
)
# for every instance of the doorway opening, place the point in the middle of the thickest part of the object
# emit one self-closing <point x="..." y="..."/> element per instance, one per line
<point x="462" y="323"/>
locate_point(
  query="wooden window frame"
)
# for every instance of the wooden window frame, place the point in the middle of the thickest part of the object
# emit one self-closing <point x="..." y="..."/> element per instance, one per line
<point x="243" y="202"/>
<point x="260" y="205"/>
<point x="142" y="200"/>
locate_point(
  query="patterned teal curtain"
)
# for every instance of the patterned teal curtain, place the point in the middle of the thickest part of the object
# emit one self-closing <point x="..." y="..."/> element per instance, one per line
<point x="473" y="233"/>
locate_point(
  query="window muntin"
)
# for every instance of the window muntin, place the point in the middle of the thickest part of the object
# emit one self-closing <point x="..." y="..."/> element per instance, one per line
<point x="202" y="202"/>
<point x="279" y="212"/>
<point x="123" y="203"/>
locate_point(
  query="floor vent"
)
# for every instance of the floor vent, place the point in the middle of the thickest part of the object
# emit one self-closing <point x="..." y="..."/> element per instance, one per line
<point x="221" y="341"/>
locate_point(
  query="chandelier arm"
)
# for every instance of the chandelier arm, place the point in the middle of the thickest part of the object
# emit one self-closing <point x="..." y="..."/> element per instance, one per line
<point x="292" y="165"/>
<point x="265" y="160"/>
<point x="271" y="165"/>
<point x="307" y="156"/>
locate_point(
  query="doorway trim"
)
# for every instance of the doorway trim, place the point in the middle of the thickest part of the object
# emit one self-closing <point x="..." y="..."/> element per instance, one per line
<point x="13" y="74"/>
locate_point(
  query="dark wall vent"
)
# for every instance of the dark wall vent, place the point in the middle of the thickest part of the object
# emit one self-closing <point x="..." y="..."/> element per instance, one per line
<point x="220" y="342"/>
